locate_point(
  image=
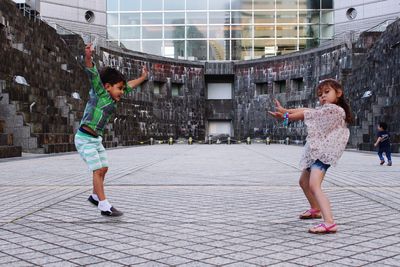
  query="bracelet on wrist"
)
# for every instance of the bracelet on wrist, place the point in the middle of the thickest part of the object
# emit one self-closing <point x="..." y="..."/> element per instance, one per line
<point x="286" y="119"/>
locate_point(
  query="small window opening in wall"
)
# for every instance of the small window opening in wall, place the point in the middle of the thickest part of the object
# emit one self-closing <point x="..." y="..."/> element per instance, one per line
<point x="157" y="87"/>
<point x="297" y="84"/>
<point x="89" y="16"/>
<point x="176" y="89"/>
<point x="351" y="13"/>
<point x="279" y="87"/>
<point x="261" y="89"/>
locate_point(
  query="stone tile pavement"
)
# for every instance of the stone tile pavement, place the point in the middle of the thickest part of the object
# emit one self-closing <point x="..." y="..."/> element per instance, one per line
<point x="200" y="205"/>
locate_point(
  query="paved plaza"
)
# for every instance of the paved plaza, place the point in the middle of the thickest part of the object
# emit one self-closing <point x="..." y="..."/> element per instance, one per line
<point x="199" y="205"/>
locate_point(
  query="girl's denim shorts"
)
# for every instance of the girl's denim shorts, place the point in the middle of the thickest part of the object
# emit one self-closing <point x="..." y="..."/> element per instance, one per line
<point x="319" y="165"/>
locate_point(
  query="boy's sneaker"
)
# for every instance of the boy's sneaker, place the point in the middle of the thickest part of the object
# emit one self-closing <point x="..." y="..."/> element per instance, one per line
<point x="382" y="162"/>
<point x="113" y="213"/>
<point x="389" y="163"/>
<point x="93" y="201"/>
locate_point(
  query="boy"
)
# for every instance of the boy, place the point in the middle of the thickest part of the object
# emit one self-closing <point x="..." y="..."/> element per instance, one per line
<point x="106" y="89"/>
<point x="384" y="143"/>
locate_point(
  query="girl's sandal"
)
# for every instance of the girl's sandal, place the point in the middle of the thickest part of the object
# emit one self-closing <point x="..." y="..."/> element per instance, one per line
<point x="311" y="214"/>
<point x="323" y="229"/>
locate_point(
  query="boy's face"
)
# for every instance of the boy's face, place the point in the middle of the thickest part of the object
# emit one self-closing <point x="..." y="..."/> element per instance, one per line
<point x="116" y="90"/>
<point x="380" y="128"/>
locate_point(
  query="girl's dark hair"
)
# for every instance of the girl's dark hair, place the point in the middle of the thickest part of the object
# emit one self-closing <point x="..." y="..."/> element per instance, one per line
<point x="111" y="76"/>
<point x="342" y="102"/>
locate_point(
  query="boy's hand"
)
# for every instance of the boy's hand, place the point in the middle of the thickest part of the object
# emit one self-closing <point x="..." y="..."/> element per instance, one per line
<point x="145" y="72"/>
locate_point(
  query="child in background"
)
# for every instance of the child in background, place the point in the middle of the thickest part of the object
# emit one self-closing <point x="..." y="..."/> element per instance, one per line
<point x="326" y="140"/>
<point x="106" y="90"/>
<point x="383" y="143"/>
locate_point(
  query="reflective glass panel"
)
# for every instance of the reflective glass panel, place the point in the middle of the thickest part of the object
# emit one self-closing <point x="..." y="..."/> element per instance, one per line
<point x="132" y="45"/>
<point x="174" y="32"/>
<point x="174" y="4"/>
<point x="287" y="4"/>
<point x="264" y="31"/>
<point x="283" y="31"/>
<point x="264" y="47"/>
<point x="129" y="32"/>
<point x="326" y="17"/>
<point x="174" y="18"/>
<point x="327" y="4"/>
<point x="303" y="4"/>
<point x="241" y="17"/>
<point x="197" y="49"/>
<point x="112" y="5"/>
<point x="309" y="17"/>
<point x="242" y="31"/>
<point x="220" y="31"/>
<point x="286" y="16"/>
<point x="286" y="46"/>
<point x="129" y="5"/>
<point x="219" y="17"/>
<point x="327" y="31"/>
<point x="264" y="4"/>
<point x="241" y="5"/>
<point x="219" y="50"/>
<point x="112" y="18"/>
<point x="196" y="18"/>
<point x="305" y="31"/>
<point x="196" y="4"/>
<point x="264" y="17"/>
<point x="152" y="47"/>
<point x="196" y="31"/>
<point x="112" y="32"/>
<point x="241" y="49"/>
<point x="219" y="4"/>
<point x="152" y="18"/>
<point x="152" y="32"/>
<point x="130" y="19"/>
<point x="150" y="5"/>
<point x="174" y="48"/>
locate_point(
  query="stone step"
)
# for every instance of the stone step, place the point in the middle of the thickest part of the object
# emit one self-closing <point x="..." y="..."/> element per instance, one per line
<point x="10" y="151"/>
<point x="59" y="148"/>
<point x="6" y="139"/>
<point x="4" y="99"/>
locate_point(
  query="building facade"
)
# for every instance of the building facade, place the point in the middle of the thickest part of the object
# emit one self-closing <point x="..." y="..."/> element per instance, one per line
<point x="219" y="30"/>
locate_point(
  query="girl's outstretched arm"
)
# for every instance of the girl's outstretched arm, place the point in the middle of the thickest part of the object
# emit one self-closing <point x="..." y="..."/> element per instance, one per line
<point x="282" y="110"/>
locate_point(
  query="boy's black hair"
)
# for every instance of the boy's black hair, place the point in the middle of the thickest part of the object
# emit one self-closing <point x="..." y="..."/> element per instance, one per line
<point x="383" y="125"/>
<point x="111" y="76"/>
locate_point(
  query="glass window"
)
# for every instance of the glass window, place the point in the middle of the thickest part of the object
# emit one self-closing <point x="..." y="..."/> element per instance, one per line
<point x="242" y="31"/>
<point x="327" y="31"/>
<point x="286" y="46"/>
<point x="219" y="50"/>
<point x="286" y="17"/>
<point x="132" y="45"/>
<point x="196" y="5"/>
<point x="309" y="17"/>
<point x="196" y="18"/>
<point x="305" y="31"/>
<point x="174" y="48"/>
<point x="313" y="4"/>
<point x="287" y="4"/>
<point x="219" y="5"/>
<point x="303" y="4"/>
<point x="264" y="4"/>
<point x="196" y="31"/>
<point x="174" y="32"/>
<point x="242" y="4"/>
<point x="129" y="5"/>
<point x="264" y="31"/>
<point x="264" y="17"/>
<point x="221" y="31"/>
<point x="130" y="19"/>
<point x="152" y="32"/>
<point x="112" y="5"/>
<point x="174" y="18"/>
<point x="174" y="4"/>
<point x="241" y="49"/>
<point x="130" y="32"/>
<point x="219" y="17"/>
<point x="112" y="18"/>
<point x="283" y="31"/>
<point x="241" y="17"/>
<point x="327" y="4"/>
<point x="152" y="47"/>
<point x="264" y="47"/>
<point x="326" y="17"/>
<point x="197" y="49"/>
<point x="112" y="32"/>
<point x="152" y="18"/>
<point x="150" y="5"/>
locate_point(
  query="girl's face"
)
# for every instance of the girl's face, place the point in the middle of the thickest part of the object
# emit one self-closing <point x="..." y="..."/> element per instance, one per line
<point x="328" y="95"/>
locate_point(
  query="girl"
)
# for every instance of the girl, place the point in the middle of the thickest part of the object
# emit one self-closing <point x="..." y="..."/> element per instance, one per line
<point x="326" y="140"/>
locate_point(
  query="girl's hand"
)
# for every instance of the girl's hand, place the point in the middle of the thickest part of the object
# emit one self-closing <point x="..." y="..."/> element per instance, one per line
<point x="276" y="115"/>
<point x="279" y="107"/>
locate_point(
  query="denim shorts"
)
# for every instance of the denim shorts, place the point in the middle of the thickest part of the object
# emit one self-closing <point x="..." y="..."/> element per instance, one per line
<point x="319" y="165"/>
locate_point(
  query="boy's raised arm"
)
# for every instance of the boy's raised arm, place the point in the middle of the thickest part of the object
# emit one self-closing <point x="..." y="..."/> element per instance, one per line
<point x="138" y="81"/>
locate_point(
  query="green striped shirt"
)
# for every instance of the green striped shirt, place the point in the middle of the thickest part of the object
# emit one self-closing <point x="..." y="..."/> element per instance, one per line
<point x="100" y="105"/>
